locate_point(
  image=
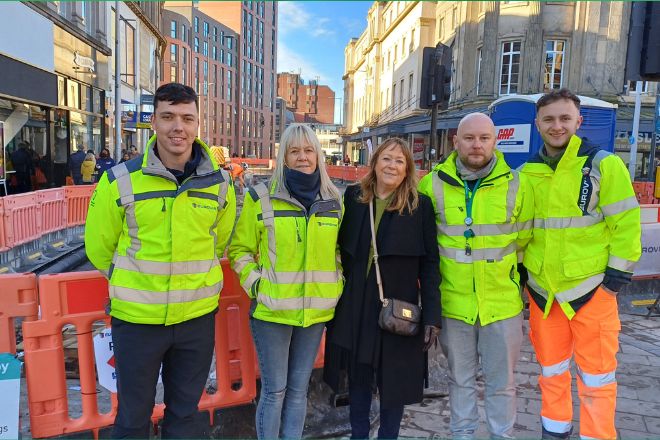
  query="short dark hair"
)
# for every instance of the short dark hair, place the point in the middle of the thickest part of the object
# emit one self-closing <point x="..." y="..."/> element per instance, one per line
<point x="175" y="93"/>
<point x="557" y="95"/>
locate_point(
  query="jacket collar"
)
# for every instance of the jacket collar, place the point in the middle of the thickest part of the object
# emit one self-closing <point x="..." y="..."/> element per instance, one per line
<point x="448" y="173"/>
<point x="152" y="165"/>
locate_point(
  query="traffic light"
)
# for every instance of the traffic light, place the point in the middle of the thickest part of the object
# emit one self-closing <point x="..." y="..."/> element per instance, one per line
<point x="436" y="77"/>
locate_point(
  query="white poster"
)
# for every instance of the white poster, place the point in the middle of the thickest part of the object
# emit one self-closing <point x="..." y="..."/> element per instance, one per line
<point x="105" y="361"/>
<point x="10" y="393"/>
<point x="513" y="138"/>
<point x="649" y="263"/>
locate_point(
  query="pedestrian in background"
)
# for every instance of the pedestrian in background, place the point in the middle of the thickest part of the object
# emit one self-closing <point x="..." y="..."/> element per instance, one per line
<point x="75" y="164"/>
<point x="21" y="159"/>
<point x="587" y="238"/>
<point x="104" y="162"/>
<point x="483" y="212"/>
<point x="404" y="229"/>
<point x="88" y="168"/>
<point x="284" y="251"/>
<point x="156" y="227"/>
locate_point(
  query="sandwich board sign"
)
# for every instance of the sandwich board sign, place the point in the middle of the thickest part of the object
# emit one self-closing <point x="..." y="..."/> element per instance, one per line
<point x="10" y="393"/>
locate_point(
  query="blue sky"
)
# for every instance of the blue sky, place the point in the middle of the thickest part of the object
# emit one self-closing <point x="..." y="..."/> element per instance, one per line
<point x="312" y="36"/>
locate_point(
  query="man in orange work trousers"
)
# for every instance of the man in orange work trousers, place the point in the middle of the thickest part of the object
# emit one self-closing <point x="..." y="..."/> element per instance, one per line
<point x="586" y="240"/>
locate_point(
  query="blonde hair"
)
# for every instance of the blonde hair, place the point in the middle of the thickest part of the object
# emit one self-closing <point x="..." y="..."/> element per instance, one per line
<point x="296" y="135"/>
<point x="405" y="197"/>
<point x="89" y="156"/>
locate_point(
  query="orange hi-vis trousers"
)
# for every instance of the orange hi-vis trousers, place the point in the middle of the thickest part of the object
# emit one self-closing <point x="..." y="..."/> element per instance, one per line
<point x="592" y="336"/>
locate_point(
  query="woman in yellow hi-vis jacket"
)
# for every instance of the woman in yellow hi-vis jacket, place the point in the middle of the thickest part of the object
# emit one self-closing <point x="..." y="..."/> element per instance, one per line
<point x="284" y="251"/>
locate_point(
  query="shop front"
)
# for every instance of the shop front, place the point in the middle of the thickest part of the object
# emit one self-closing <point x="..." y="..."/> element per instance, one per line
<point x="78" y="122"/>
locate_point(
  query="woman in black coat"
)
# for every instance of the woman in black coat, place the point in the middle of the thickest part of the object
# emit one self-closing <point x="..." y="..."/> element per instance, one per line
<point x="409" y="266"/>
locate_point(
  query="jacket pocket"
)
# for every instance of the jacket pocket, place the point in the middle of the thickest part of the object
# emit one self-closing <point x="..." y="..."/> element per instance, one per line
<point x="584" y="267"/>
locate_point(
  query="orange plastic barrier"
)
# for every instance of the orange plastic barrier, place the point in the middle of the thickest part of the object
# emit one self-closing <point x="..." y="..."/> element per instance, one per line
<point x="53" y="210"/>
<point x="77" y="200"/>
<point x="18" y="299"/>
<point x="44" y="354"/>
<point x="21" y="219"/>
<point x="4" y="246"/>
<point x="254" y="163"/>
<point x="78" y="298"/>
<point x="645" y="192"/>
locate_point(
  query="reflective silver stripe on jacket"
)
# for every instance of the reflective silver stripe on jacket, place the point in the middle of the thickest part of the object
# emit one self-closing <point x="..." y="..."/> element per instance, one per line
<point x="126" y="196"/>
<point x="311" y="276"/>
<point x="171" y="296"/>
<point x="621" y="264"/>
<point x="620" y="206"/>
<point x="483" y="230"/>
<point x="571" y="294"/>
<point x="268" y="218"/>
<point x="164" y="267"/>
<point x="297" y="303"/>
<point x="495" y="254"/>
<point x="568" y="222"/>
<point x="439" y="195"/>
<point x="251" y="278"/>
<point x="511" y="193"/>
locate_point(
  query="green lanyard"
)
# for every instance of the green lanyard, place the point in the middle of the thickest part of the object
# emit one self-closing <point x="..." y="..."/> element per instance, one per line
<point x="469" y="199"/>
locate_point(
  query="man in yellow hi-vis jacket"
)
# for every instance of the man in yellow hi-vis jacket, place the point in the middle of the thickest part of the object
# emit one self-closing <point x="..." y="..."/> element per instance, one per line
<point x="586" y="239"/>
<point x="484" y="217"/>
<point x="156" y="226"/>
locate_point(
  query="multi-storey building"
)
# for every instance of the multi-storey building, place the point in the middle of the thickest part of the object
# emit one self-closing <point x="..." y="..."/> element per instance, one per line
<point x="202" y="53"/>
<point x="312" y="102"/>
<point x="255" y="24"/>
<point x="498" y="48"/>
<point x="140" y="51"/>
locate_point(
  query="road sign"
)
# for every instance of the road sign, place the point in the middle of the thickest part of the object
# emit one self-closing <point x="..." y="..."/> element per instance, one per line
<point x="10" y="392"/>
<point x="105" y="361"/>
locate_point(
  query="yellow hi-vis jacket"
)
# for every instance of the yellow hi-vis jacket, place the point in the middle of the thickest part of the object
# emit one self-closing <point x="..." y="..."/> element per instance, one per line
<point x="587" y="228"/>
<point x="287" y="258"/>
<point x="158" y="242"/>
<point x="482" y="282"/>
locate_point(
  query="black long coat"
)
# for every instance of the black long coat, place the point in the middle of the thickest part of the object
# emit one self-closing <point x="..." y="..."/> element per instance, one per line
<point x="409" y="264"/>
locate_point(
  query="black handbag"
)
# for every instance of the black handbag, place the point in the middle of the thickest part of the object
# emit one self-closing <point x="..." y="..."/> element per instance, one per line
<point x="396" y="316"/>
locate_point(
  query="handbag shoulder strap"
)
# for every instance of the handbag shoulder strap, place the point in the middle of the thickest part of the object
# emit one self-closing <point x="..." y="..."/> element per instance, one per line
<point x="373" y="244"/>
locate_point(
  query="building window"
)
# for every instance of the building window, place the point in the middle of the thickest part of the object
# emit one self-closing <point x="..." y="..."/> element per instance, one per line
<point x="215" y="34"/>
<point x="401" y="94"/>
<point x="206" y="29"/>
<point x="173" y="52"/>
<point x="128" y="60"/>
<point x="412" y="41"/>
<point x="173" y="29"/>
<point x="554" y="64"/>
<point x="441" y="27"/>
<point x="184" y="36"/>
<point x="510" y="67"/>
<point x="410" y="89"/>
<point x="196" y="45"/>
<point x="394" y="94"/>
<point x="478" y="69"/>
<point x="206" y="48"/>
<point x="632" y="87"/>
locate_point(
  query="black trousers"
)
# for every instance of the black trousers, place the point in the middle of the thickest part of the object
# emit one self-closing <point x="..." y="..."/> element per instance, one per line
<point x="185" y="351"/>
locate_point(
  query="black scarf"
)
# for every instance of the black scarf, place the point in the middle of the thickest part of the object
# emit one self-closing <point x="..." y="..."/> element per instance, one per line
<point x="303" y="187"/>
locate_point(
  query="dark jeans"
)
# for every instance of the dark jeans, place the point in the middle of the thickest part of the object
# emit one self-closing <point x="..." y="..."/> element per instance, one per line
<point x="359" y="396"/>
<point x="185" y="351"/>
